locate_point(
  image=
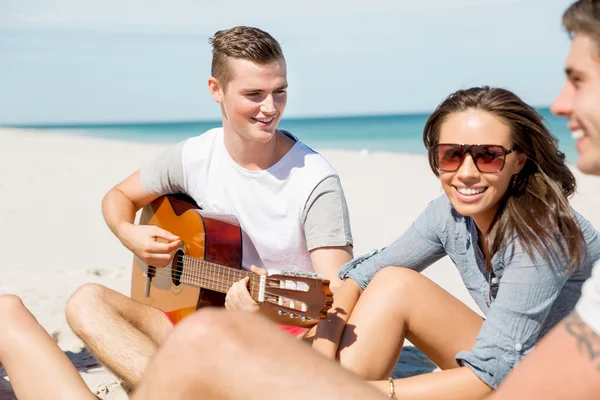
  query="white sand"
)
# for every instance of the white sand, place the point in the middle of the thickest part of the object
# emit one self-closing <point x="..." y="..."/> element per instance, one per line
<point x="54" y="239"/>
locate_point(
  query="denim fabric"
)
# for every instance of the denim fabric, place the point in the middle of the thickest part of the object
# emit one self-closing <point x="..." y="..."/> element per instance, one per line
<point x="588" y="306"/>
<point x="531" y="298"/>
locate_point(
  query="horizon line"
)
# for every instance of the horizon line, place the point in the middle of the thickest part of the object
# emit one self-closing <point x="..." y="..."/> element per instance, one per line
<point x="90" y="124"/>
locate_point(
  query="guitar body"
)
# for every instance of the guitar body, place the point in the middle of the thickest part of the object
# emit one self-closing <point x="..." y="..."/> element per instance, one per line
<point x="207" y="236"/>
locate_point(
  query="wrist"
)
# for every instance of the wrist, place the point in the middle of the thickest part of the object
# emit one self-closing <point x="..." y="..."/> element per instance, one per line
<point x="382" y="386"/>
<point x="122" y="229"/>
<point x="391" y="389"/>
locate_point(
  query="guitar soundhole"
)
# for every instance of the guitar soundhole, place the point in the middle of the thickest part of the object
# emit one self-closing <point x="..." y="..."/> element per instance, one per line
<point x="177" y="267"/>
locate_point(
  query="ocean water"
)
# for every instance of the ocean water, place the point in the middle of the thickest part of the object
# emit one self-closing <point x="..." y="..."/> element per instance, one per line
<point x="396" y="133"/>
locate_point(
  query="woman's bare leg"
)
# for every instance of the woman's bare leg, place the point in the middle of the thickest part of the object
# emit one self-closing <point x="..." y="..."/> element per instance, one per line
<point x="400" y="303"/>
<point x="36" y="366"/>
<point x="219" y="355"/>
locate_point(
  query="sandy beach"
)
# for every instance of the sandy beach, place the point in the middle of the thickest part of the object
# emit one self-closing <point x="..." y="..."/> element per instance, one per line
<point x="54" y="238"/>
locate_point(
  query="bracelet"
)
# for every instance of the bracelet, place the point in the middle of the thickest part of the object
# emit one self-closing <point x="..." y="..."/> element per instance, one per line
<point x="392" y="393"/>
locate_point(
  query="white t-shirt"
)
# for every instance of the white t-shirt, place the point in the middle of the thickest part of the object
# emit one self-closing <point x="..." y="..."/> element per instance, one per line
<point x="588" y="306"/>
<point x="285" y="211"/>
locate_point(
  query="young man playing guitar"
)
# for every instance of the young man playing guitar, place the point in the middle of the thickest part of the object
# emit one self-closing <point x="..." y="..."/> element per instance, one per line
<point x="286" y="197"/>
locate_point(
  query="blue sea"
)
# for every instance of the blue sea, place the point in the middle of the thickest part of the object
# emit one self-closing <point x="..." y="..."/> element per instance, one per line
<point x="396" y="133"/>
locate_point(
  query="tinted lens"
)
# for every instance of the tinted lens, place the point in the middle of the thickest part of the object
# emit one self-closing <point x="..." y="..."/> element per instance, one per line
<point x="449" y="157"/>
<point x="488" y="158"/>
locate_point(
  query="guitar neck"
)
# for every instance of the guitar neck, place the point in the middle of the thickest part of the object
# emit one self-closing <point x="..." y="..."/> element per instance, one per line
<point x="208" y="275"/>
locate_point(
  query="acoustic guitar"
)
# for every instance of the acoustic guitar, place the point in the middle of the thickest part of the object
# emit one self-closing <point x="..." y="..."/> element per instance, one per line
<point x="209" y="261"/>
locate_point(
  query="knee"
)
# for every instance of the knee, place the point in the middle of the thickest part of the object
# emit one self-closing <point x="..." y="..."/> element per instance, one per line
<point x="395" y="278"/>
<point x="83" y="302"/>
<point x="209" y="326"/>
<point x="396" y="287"/>
<point x="11" y="308"/>
<point x="14" y="318"/>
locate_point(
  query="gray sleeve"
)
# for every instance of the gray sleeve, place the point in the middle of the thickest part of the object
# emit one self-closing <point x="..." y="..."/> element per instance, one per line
<point x="325" y="217"/>
<point x="164" y="175"/>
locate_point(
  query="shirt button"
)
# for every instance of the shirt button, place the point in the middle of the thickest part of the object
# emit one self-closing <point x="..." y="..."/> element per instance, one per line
<point x="495" y="280"/>
<point x="518" y="347"/>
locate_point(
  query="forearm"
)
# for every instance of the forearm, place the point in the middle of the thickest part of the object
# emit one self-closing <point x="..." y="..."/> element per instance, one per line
<point x="327" y="261"/>
<point x="458" y="383"/>
<point x="564" y="365"/>
<point x="118" y="211"/>
<point x="330" y="329"/>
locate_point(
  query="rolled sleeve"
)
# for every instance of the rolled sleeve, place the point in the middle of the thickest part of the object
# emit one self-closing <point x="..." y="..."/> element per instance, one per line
<point x="491" y="362"/>
<point x="419" y="247"/>
<point x="588" y="306"/>
<point x="527" y="293"/>
<point x="359" y="271"/>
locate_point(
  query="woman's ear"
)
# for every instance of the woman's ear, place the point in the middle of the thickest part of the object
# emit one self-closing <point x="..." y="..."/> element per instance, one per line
<point x="521" y="160"/>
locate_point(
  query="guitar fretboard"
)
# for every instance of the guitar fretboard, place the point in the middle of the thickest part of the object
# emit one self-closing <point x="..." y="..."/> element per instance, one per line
<point x="212" y="276"/>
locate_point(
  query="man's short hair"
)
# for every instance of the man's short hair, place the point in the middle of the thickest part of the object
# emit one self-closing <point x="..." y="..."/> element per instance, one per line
<point x="243" y="42"/>
<point x="584" y="16"/>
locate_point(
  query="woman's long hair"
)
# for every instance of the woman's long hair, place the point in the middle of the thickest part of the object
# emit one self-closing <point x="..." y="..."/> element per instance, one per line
<point x="535" y="208"/>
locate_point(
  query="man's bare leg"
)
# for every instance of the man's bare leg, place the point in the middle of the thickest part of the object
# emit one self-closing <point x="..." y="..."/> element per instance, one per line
<point x="36" y="366"/>
<point x="215" y="354"/>
<point x="122" y="333"/>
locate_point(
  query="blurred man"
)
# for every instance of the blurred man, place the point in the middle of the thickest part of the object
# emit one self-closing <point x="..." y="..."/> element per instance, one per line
<point x="566" y="363"/>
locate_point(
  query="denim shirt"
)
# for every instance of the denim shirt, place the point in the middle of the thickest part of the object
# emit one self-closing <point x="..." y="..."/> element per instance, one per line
<point x="530" y="295"/>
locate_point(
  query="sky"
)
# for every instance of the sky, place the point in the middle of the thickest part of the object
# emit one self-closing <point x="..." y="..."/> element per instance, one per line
<point x="107" y="61"/>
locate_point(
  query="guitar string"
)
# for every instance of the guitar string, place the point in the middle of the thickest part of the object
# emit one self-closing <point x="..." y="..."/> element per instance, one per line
<point x="223" y="272"/>
<point x="212" y="279"/>
<point x="229" y="271"/>
<point x="240" y="275"/>
<point x="220" y="285"/>
<point x="254" y="279"/>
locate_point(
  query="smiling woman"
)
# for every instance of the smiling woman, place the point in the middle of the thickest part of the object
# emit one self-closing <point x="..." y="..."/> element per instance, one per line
<point x="532" y="179"/>
<point x="475" y="185"/>
<point x="505" y="222"/>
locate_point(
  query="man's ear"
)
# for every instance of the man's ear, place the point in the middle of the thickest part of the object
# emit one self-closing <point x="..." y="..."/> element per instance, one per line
<point x="215" y="89"/>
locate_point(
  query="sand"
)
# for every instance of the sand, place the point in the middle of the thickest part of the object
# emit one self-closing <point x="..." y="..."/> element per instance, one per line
<point x="54" y="239"/>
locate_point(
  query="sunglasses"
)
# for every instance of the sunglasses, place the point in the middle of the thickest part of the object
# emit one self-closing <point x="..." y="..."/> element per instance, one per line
<point x="488" y="158"/>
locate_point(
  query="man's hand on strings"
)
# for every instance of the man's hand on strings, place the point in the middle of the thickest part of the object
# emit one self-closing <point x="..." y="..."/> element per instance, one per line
<point x="238" y="297"/>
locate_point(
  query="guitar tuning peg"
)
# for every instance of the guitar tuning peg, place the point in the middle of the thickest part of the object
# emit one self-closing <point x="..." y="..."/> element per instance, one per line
<point x="304" y="319"/>
<point x="281" y="312"/>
